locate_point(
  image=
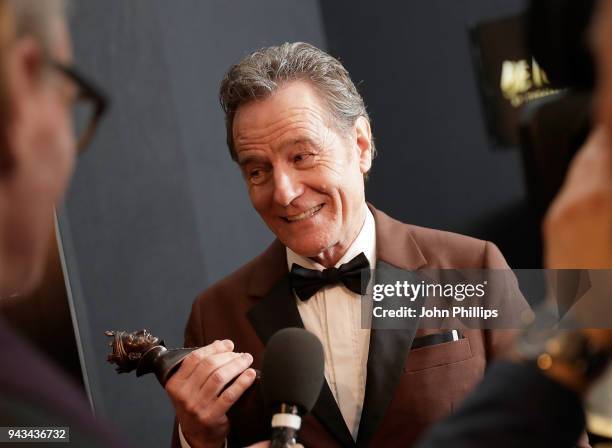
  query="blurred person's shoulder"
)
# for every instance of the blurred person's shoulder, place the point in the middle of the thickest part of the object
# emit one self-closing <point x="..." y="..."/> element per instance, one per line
<point x="35" y="393"/>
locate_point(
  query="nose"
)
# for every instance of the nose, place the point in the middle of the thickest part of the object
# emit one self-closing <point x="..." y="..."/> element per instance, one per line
<point x="287" y="187"/>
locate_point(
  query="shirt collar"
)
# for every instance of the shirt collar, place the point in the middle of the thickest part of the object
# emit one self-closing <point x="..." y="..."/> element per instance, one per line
<point x="365" y="242"/>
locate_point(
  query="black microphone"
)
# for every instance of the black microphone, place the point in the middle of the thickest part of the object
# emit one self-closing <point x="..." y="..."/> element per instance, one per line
<point x="292" y="377"/>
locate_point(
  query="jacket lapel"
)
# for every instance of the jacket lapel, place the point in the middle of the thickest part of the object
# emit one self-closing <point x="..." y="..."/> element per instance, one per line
<point x="276" y="310"/>
<point x="327" y="412"/>
<point x="387" y="355"/>
<point x="388" y="350"/>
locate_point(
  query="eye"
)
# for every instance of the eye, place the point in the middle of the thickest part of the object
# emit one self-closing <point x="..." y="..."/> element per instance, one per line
<point x="256" y="176"/>
<point x="304" y="159"/>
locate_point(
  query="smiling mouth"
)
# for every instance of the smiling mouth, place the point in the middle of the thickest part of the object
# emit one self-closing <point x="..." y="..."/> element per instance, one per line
<point x="304" y="215"/>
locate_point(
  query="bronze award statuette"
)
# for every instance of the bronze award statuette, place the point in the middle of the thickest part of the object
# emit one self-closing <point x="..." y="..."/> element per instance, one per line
<point x="145" y="353"/>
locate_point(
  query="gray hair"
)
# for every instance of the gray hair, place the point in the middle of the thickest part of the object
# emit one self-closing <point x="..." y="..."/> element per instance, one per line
<point x="262" y="72"/>
<point x="34" y="18"/>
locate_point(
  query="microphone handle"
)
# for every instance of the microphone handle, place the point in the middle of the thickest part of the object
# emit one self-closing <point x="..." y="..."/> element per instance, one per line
<point x="283" y="437"/>
<point x="285" y="426"/>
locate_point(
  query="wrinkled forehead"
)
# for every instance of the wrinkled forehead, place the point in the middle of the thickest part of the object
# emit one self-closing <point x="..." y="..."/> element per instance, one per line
<point x="293" y="109"/>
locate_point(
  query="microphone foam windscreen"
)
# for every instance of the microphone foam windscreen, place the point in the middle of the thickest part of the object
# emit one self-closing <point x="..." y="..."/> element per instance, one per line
<point x="293" y="369"/>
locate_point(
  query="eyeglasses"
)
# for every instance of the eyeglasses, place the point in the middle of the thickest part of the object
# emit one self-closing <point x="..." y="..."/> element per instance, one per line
<point x="89" y="107"/>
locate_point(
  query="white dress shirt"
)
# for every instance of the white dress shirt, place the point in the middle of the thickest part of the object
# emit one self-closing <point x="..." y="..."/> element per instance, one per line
<point x="334" y="315"/>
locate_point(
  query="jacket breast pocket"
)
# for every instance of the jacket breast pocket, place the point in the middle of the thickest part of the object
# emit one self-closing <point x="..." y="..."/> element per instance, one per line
<point x="435" y="379"/>
<point x="438" y="355"/>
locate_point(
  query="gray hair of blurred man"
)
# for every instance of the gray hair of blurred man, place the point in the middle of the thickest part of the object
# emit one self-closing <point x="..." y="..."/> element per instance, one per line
<point x="34" y="17"/>
<point x="20" y="18"/>
<point x="262" y="72"/>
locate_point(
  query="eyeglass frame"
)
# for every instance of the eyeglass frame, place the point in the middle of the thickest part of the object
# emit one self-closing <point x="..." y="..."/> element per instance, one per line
<point x="87" y="90"/>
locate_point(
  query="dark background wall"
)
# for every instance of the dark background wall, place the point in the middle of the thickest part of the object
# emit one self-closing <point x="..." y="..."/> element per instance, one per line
<point x="435" y="166"/>
<point x="157" y="211"/>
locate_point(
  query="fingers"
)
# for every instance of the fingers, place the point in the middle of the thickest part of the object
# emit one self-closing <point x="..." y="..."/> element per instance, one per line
<point x="205" y="373"/>
<point x="230" y="395"/>
<point x="226" y="369"/>
<point x="183" y="385"/>
<point x="201" y="375"/>
<point x="196" y="390"/>
<point x="194" y="359"/>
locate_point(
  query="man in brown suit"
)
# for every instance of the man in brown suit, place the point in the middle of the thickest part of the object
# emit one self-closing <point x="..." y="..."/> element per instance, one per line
<point x="298" y="128"/>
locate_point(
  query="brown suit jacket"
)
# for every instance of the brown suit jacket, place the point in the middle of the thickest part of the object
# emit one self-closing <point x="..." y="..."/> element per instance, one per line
<point x="406" y="390"/>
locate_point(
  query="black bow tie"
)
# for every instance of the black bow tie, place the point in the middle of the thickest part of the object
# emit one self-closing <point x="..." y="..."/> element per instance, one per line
<point x="306" y="282"/>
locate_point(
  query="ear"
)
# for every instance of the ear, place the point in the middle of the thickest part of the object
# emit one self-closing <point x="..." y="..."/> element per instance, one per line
<point x="363" y="135"/>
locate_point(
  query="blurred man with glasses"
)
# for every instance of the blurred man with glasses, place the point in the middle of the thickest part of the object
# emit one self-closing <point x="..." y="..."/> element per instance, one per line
<point x="48" y="113"/>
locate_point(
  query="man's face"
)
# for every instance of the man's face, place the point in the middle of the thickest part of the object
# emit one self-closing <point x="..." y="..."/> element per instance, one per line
<point x="305" y="178"/>
<point x="41" y="142"/>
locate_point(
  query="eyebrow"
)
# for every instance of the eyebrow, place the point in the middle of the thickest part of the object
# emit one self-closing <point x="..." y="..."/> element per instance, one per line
<point x="298" y="141"/>
<point x="250" y="158"/>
